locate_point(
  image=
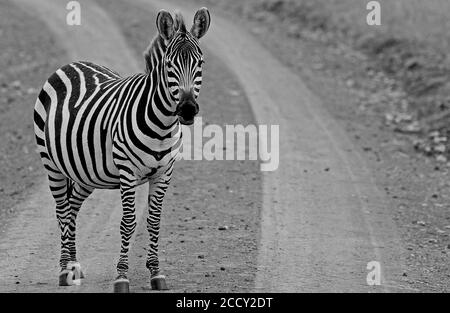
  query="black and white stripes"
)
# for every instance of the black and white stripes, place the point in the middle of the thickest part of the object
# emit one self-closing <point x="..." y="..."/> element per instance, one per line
<point x="95" y="129"/>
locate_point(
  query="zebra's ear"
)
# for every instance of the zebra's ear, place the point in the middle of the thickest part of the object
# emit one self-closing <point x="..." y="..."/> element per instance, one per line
<point x="164" y="23"/>
<point x="202" y="20"/>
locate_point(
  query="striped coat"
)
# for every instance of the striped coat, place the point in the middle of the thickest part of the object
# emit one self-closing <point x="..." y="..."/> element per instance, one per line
<point x="96" y="129"/>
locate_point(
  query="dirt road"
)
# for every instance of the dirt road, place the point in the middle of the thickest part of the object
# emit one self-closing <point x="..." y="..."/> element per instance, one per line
<point x="322" y="217"/>
<point x="204" y="195"/>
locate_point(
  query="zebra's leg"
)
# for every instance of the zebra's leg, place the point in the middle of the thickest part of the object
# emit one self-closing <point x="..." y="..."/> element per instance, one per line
<point x="77" y="194"/>
<point x="60" y="188"/>
<point x="157" y="190"/>
<point x="127" y="228"/>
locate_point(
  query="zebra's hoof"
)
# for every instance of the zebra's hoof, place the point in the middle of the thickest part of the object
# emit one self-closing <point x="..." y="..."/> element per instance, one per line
<point x="71" y="276"/>
<point x="75" y="266"/>
<point x="122" y="285"/>
<point x="158" y="283"/>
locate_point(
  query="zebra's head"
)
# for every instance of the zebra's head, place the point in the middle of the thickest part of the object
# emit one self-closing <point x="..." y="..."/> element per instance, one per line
<point x="183" y="60"/>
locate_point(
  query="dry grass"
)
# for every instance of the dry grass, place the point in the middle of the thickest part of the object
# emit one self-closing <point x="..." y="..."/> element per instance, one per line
<point x="425" y="21"/>
<point x="411" y="46"/>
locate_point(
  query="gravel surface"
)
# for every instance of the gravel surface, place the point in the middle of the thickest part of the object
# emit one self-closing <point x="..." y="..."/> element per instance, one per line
<point x="26" y="57"/>
<point x="210" y="220"/>
<point x="359" y="95"/>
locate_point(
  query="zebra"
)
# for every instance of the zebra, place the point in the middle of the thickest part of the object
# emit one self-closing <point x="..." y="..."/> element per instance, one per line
<point x="97" y="130"/>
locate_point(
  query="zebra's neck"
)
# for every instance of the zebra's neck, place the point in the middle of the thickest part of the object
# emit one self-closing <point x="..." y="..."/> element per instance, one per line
<point x="161" y="101"/>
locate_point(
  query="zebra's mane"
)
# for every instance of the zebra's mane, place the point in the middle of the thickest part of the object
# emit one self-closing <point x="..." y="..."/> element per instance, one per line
<point x="154" y="52"/>
<point x="157" y="46"/>
<point x="179" y="25"/>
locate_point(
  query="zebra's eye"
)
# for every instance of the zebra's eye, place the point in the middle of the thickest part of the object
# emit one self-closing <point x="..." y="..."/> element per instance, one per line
<point x="201" y="62"/>
<point x="168" y="63"/>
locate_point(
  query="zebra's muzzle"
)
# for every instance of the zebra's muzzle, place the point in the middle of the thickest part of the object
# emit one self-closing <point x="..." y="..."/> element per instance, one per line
<point x="186" y="112"/>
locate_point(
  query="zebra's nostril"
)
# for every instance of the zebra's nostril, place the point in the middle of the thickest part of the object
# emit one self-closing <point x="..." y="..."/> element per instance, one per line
<point x="188" y="110"/>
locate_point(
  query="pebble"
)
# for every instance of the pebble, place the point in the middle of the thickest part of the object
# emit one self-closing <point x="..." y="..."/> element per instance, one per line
<point x="439" y="148"/>
<point x="16" y="84"/>
<point x="225" y="227"/>
<point x="441" y="158"/>
<point x="32" y="90"/>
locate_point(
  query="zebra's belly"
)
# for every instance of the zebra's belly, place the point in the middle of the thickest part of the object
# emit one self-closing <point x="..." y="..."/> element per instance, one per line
<point x="148" y="162"/>
<point x="87" y="160"/>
